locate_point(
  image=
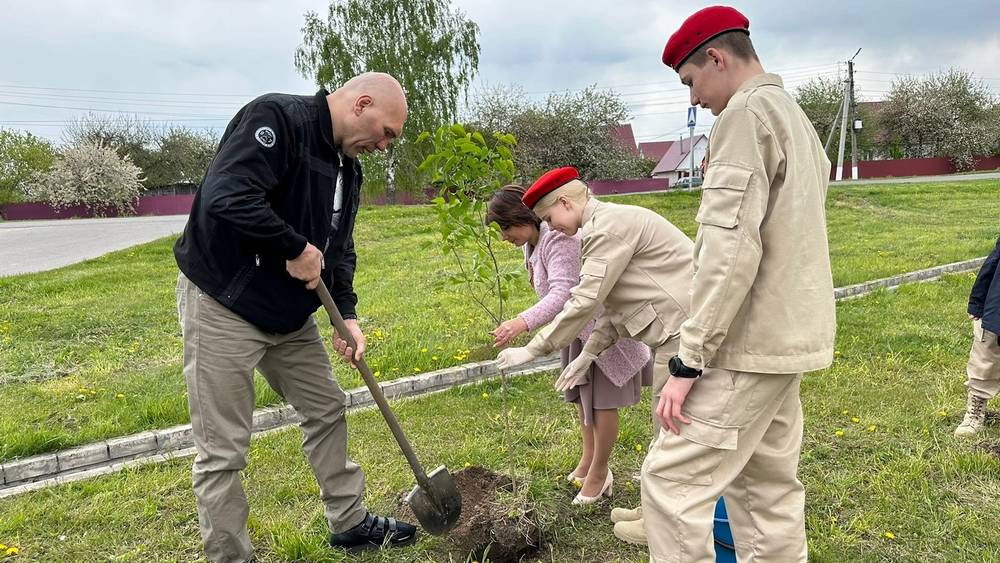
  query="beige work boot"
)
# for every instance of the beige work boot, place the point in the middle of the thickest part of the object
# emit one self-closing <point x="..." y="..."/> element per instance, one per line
<point x="975" y="416"/>
<point x="633" y="531"/>
<point x="626" y="514"/>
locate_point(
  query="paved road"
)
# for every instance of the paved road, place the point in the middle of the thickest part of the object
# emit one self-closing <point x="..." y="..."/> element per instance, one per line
<point x="921" y="179"/>
<point x="35" y="246"/>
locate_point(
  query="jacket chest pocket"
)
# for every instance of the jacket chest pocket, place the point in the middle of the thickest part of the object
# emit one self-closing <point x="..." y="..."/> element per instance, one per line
<point x="722" y="194"/>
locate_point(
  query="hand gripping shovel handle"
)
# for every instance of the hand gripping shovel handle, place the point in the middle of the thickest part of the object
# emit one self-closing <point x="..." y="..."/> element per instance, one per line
<point x="373" y="387"/>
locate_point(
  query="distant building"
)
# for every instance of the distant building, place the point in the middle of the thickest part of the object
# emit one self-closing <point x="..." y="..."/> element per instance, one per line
<point x="654" y="150"/>
<point x="676" y="160"/>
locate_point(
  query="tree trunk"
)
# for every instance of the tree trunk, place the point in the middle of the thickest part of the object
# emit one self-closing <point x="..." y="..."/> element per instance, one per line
<point x="390" y="176"/>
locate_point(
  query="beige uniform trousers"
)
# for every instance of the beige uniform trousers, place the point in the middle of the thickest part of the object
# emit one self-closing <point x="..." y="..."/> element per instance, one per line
<point x="221" y="351"/>
<point x="984" y="363"/>
<point x="743" y="443"/>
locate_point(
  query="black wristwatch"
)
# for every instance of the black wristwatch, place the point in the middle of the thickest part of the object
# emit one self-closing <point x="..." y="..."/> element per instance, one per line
<point x="678" y="369"/>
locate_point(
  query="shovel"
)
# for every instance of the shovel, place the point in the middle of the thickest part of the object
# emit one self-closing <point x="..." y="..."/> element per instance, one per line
<point x="435" y="500"/>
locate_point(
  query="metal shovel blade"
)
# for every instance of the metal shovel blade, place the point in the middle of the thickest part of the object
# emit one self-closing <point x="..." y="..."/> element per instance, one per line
<point x="438" y="505"/>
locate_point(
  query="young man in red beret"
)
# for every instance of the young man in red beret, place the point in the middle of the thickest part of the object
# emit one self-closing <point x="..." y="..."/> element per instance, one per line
<point x="762" y="311"/>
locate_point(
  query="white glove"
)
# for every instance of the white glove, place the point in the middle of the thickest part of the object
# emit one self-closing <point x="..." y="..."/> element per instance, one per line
<point x="513" y="357"/>
<point x="576" y="373"/>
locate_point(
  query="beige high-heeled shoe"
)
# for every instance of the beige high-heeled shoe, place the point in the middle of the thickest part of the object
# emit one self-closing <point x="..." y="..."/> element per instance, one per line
<point x="606" y="491"/>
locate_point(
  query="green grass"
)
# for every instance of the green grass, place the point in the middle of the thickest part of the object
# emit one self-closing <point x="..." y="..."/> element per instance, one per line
<point x="878" y="231"/>
<point x="92" y="350"/>
<point x="899" y="368"/>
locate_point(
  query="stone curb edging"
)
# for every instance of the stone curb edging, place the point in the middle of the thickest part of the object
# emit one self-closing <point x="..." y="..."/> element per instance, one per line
<point x="158" y="445"/>
<point x="928" y="274"/>
<point x="106" y="456"/>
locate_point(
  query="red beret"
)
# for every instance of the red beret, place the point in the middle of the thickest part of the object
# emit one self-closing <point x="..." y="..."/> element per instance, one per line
<point x="700" y="27"/>
<point x="548" y="182"/>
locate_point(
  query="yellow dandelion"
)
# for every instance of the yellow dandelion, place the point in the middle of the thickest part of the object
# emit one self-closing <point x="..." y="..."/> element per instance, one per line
<point x="11" y="551"/>
<point x="871" y="428"/>
<point x="416" y="370"/>
<point x="926" y="431"/>
<point x="423" y="350"/>
<point x="120" y="396"/>
<point x="435" y="358"/>
<point x="839" y="433"/>
<point x="378" y="373"/>
<point x="467" y="464"/>
<point x="846" y="412"/>
<point x="836" y="352"/>
<point x="638" y="447"/>
<point x="855" y="420"/>
<point x="890" y="535"/>
<point x="943" y="412"/>
<point x="459" y="358"/>
<point x="486" y="395"/>
<point x="3" y="547"/>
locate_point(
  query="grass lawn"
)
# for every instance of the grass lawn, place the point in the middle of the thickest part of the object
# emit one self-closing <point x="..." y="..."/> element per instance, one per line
<point x="92" y="350"/>
<point x="895" y="471"/>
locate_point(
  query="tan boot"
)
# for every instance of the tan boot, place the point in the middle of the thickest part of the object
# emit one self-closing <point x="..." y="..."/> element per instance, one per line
<point x="633" y="531"/>
<point x="626" y="514"/>
<point x="975" y="416"/>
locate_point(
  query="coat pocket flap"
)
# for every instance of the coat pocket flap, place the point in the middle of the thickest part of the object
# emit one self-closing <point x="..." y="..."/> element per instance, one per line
<point x="640" y="319"/>
<point x="710" y="434"/>
<point x="595" y="268"/>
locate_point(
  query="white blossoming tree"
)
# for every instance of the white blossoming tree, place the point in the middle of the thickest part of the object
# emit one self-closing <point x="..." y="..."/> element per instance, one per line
<point x="92" y="175"/>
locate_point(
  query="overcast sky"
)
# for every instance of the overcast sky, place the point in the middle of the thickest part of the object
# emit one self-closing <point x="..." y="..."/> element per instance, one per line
<point x="195" y="62"/>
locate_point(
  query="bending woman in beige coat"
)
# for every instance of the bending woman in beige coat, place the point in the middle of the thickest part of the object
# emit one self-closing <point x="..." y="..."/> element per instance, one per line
<point x="616" y="379"/>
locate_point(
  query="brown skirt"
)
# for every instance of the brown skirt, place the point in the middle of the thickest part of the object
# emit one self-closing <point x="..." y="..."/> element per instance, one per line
<point x="601" y="393"/>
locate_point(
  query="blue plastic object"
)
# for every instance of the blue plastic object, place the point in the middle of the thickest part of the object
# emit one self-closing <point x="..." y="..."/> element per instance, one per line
<point x="724" y="550"/>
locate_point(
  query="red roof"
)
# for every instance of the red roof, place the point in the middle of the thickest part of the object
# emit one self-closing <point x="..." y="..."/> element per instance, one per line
<point x="655" y="150"/>
<point x="676" y="155"/>
<point x="625" y="137"/>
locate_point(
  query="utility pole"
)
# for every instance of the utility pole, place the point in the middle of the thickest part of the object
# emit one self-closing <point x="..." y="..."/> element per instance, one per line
<point x="833" y="126"/>
<point x="847" y="107"/>
<point x="854" y="118"/>
<point x="843" y="133"/>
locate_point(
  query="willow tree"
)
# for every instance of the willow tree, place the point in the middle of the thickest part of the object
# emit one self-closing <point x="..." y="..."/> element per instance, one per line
<point x="432" y="49"/>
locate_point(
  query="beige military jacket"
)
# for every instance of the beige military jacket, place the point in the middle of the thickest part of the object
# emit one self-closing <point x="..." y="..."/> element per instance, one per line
<point x="762" y="296"/>
<point x="638" y="265"/>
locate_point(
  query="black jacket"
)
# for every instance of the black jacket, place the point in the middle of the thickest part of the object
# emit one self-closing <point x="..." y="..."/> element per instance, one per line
<point x="984" y="302"/>
<point x="269" y="189"/>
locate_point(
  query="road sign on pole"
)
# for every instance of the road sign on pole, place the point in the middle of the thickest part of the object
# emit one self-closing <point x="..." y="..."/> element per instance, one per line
<point x="692" y="116"/>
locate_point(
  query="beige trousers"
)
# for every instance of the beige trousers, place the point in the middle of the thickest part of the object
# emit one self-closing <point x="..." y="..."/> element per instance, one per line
<point x="743" y="443"/>
<point x="984" y="363"/>
<point x="221" y="351"/>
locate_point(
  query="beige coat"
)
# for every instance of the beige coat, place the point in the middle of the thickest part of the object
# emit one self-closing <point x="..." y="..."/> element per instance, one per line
<point x="638" y="265"/>
<point x="762" y="296"/>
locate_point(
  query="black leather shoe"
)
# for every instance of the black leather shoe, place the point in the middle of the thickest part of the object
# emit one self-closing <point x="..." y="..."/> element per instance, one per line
<point x="374" y="532"/>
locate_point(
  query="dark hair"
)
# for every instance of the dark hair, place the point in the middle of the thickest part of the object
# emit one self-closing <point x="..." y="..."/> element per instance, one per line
<point x="736" y="43"/>
<point x="505" y="208"/>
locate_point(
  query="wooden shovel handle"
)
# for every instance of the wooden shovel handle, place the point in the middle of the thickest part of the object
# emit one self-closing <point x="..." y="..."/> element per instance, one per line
<point x="373" y="386"/>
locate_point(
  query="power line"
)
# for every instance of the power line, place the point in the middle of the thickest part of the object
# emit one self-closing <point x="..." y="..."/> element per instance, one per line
<point x="244" y="96"/>
<point x="207" y="116"/>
